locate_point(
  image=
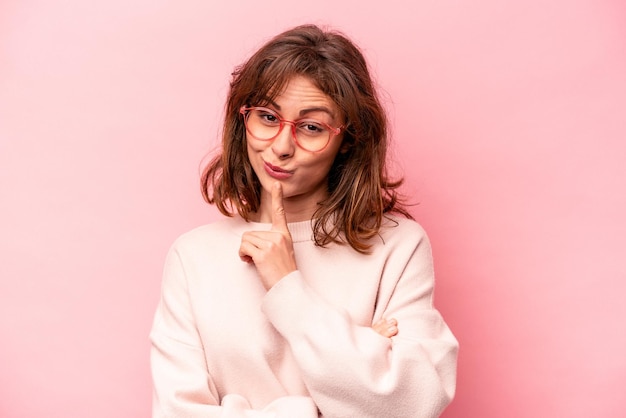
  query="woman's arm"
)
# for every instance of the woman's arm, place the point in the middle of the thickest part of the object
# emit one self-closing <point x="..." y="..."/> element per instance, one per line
<point x="183" y="386"/>
<point x="351" y="370"/>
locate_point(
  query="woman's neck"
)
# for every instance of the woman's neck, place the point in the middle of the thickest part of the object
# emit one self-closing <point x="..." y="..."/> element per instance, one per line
<point x="296" y="210"/>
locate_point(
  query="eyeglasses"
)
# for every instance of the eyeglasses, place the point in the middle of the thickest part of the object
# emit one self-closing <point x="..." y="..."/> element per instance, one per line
<point x="264" y="124"/>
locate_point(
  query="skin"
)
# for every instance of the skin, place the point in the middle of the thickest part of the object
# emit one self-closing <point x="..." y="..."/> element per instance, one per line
<point x="291" y="197"/>
<point x="307" y="184"/>
<point x="386" y="327"/>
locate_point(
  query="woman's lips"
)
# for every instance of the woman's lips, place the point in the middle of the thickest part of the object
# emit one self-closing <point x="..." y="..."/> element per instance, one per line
<point x="277" y="172"/>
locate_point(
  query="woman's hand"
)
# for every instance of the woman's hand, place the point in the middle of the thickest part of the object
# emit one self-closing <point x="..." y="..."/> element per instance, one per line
<point x="270" y="251"/>
<point x="386" y="327"/>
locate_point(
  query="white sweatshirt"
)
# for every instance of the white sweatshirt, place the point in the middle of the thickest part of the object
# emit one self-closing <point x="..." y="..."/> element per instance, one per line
<point x="224" y="347"/>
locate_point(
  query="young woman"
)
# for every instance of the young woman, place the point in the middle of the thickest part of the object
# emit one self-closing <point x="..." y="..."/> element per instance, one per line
<point x="314" y="295"/>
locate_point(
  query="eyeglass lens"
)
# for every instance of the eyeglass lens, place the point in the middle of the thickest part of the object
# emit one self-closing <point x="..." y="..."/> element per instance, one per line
<point x="264" y="125"/>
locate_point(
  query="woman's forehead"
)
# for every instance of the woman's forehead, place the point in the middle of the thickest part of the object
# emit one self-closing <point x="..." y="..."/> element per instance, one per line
<point x="300" y="93"/>
<point x="303" y="89"/>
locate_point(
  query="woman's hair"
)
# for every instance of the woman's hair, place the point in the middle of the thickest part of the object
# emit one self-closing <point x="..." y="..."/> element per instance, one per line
<point x="360" y="192"/>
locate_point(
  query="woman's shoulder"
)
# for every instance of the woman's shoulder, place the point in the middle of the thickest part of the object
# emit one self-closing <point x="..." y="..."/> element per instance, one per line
<point x="399" y="224"/>
<point x="214" y="234"/>
<point x="397" y="228"/>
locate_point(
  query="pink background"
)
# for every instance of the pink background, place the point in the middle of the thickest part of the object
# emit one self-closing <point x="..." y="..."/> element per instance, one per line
<point x="509" y="124"/>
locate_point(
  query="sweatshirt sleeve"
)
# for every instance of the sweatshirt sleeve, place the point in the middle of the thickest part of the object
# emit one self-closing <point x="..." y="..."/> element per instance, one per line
<point x="352" y="370"/>
<point x="182" y="384"/>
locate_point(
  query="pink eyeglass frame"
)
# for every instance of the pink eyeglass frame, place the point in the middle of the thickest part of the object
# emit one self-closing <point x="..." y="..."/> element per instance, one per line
<point x="333" y="131"/>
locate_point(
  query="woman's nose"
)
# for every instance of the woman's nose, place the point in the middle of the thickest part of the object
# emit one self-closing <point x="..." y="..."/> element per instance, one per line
<point x="284" y="144"/>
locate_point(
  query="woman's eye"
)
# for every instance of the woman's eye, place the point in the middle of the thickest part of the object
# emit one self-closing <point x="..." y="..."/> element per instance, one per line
<point x="268" y="117"/>
<point x="311" y="127"/>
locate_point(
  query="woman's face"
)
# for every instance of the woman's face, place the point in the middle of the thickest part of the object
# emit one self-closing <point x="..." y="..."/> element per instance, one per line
<point x="303" y="174"/>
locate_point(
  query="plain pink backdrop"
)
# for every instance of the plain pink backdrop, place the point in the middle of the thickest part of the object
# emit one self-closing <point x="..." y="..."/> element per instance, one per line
<point x="509" y="124"/>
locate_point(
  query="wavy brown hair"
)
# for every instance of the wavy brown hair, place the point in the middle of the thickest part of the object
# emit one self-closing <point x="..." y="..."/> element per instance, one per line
<point x="360" y="192"/>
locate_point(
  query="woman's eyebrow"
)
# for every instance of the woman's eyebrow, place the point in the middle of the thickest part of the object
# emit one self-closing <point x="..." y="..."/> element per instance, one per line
<point x="317" y="109"/>
<point x="303" y="112"/>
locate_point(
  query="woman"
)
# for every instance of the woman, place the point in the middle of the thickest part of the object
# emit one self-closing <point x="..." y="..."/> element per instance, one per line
<point x="280" y="309"/>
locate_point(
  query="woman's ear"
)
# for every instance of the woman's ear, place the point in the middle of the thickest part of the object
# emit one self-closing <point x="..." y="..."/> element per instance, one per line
<point x="346" y="144"/>
<point x="347" y="140"/>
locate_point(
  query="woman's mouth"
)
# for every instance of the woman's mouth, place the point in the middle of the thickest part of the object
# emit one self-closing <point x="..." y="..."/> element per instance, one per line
<point x="277" y="172"/>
